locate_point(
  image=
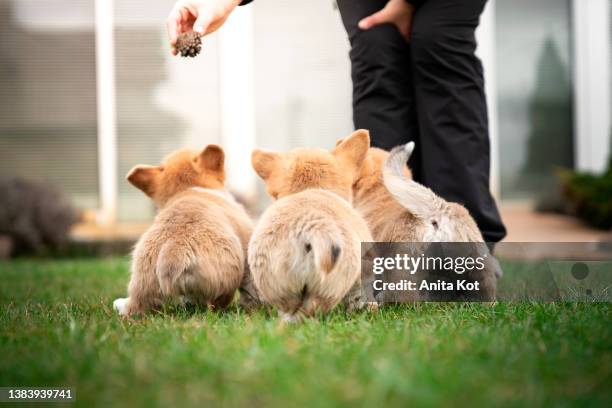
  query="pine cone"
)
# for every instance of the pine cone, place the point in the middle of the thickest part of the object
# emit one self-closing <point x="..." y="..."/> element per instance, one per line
<point x="189" y="44"/>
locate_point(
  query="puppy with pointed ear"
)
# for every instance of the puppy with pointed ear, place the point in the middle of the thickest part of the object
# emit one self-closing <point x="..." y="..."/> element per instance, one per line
<point x="180" y="171"/>
<point x="304" y="253"/>
<point x="301" y="169"/>
<point x="144" y="177"/>
<point x="352" y="151"/>
<point x="270" y="166"/>
<point x="211" y="162"/>
<point x="196" y="247"/>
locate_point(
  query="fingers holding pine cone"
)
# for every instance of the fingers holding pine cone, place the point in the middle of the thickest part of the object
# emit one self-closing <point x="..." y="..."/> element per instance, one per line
<point x="188" y="44"/>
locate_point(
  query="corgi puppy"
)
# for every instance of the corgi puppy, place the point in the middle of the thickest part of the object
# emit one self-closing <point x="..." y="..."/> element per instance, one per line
<point x="196" y="248"/>
<point x="305" y="251"/>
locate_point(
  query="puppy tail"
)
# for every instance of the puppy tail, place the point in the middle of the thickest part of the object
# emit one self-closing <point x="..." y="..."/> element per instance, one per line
<point x="416" y="198"/>
<point x="172" y="264"/>
<point x="326" y="252"/>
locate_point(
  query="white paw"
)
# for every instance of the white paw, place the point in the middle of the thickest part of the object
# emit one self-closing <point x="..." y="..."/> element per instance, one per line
<point x="120" y="305"/>
<point x="287" y="318"/>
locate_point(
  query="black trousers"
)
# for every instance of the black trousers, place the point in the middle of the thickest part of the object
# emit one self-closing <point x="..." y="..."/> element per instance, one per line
<point x="429" y="90"/>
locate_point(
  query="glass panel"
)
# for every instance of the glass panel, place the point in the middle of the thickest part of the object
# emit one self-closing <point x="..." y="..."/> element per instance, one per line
<point x="48" y="95"/>
<point x="304" y="99"/>
<point x="163" y="103"/>
<point x="535" y="94"/>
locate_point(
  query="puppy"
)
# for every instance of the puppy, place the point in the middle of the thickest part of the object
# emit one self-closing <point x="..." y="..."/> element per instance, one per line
<point x="305" y="251"/>
<point x="196" y="247"/>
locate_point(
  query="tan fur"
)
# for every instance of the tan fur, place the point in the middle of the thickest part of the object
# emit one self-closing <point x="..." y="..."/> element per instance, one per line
<point x="196" y="247"/>
<point x="305" y="251"/>
<point x="387" y="219"/>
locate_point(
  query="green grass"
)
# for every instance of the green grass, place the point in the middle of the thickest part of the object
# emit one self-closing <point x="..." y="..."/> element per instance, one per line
<point x="57" y="328"/>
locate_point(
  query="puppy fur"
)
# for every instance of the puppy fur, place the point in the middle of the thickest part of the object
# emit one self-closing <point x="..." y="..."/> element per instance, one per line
<point x="196" y="248"/>
<point x="387" y="219"/>
<point x="305" y="251"/>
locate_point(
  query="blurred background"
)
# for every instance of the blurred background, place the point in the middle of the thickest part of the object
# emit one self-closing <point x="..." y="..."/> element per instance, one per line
<point x="88" y="89"/>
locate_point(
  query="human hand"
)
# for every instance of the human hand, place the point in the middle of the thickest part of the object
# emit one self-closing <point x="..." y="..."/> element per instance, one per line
<point x="201" y="16"/>
<point x="397" y="12"/>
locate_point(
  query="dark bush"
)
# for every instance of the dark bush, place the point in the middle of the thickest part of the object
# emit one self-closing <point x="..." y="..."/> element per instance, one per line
<point x="34" y="217"/>
<point x="590" y="196"/>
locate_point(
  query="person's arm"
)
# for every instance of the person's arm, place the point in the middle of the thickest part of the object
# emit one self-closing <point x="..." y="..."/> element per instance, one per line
<point x="200" y="16"/>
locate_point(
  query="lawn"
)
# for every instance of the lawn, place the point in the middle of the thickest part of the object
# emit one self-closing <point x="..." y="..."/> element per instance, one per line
<point x="57" y="328"/>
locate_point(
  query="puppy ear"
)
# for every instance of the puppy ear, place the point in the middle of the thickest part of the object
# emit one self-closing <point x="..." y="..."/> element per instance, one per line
<point x="265" y="163"/>
<point x="339" y="141"/>
<point x="352" y="150"/>
<point x="145" y="177"/>
<point x="212" y="159"/>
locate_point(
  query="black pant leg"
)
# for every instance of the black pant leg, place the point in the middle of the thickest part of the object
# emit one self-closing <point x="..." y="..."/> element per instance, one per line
<point x="451" y="106"/>
<point x="383" y="96"/>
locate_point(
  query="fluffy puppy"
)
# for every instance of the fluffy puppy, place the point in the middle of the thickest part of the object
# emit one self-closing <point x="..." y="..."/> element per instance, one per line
<point x="196" y="247"/>
<point x="305" y="251"/>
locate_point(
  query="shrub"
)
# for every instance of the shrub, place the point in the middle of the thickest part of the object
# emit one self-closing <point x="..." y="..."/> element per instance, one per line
<point x="34" y="217"/>
<point x="590" y="195"/>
